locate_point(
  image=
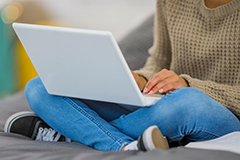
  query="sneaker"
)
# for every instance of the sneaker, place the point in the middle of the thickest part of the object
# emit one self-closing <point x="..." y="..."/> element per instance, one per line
<point x="30" y="125"/>
<point x="151" y="138"/>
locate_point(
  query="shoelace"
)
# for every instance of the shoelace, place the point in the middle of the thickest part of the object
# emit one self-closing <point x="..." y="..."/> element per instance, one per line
<point x="45" y="134"/>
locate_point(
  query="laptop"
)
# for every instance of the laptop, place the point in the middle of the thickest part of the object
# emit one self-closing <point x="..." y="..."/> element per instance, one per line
<point x="79" y="63"/>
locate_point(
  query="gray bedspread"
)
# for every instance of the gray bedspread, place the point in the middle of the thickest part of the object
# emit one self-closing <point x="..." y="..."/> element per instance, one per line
<point x="18" y="147"/>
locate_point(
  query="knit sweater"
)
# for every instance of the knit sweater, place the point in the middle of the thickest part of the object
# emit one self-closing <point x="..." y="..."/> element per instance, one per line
<point x="201" y="45"/>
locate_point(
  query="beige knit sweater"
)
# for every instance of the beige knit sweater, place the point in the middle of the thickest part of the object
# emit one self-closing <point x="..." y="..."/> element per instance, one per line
<point x="201" y="45"/>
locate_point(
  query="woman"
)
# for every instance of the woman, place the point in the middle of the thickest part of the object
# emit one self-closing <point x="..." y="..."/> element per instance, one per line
<point x="195" y="59"/>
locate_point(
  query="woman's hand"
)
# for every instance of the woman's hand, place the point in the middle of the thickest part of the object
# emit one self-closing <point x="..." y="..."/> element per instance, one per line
<point x="141" y="82"/>
<point x="164" y="82"/>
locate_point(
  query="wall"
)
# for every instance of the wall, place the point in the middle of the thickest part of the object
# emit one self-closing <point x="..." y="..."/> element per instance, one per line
<point x="117" y="16"/>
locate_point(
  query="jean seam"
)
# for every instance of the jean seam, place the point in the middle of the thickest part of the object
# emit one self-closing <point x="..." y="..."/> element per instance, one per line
<point x="104" y="130"/>
<point x="205" y="131"/>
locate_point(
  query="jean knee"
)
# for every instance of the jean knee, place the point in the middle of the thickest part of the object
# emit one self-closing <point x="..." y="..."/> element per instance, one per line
<point x="186" y="104"/>
<point x="192" y="106"/>
<point x="193" y="99"/>
<point x="191" y="94"/>
<point x="35" y="92"/>
<point x="184" y="98"/>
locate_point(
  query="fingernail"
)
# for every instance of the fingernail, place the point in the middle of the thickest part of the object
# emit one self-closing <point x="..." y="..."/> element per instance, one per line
<point x="145" y="90"/>
<point x="161" y="90"/>
<point x="151" y="92"/>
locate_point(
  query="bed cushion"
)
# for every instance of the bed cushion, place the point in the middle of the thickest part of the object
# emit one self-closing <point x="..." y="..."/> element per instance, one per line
<point x="18" y="147"/>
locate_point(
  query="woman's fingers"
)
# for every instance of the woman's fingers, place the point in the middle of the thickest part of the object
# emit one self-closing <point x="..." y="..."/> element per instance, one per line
<point x="162" y="86"/>
<point x="155" y="80"/>
<point x="164" y="82"/>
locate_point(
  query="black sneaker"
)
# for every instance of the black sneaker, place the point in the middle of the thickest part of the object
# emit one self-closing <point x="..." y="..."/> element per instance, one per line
<point x="30" y="125"/>
<point x="152" y="138"/>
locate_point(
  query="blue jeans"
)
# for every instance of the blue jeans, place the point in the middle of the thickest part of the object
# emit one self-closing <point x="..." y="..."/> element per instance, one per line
<point x="186" y="114"/>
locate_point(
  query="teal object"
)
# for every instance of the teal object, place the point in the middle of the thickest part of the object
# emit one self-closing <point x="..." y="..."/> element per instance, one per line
<point x="8" y="76"/>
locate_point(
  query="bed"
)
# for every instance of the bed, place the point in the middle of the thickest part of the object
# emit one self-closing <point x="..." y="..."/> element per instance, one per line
<point x="13" y="146"/>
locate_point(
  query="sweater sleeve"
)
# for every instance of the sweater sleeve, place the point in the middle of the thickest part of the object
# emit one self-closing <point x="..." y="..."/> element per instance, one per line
<point x="227" y="95"/>
<point x="160" y="52"/>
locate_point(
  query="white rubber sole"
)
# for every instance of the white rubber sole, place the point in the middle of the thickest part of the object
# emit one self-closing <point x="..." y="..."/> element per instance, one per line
<point x="14" y="117"/>
<point x="157" y="139"/>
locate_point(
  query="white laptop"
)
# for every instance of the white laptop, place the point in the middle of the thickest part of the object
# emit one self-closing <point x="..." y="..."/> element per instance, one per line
<point x="80" y="63"/>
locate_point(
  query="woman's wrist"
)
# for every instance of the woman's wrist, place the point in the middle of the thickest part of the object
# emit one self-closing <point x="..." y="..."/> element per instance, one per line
<point x="143" y="81"/>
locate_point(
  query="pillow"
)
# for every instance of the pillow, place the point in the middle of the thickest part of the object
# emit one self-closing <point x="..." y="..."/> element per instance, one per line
<point x="136" y="44"/>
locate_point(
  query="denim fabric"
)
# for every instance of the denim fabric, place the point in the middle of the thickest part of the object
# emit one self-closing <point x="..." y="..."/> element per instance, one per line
<point x="184" y="115"/>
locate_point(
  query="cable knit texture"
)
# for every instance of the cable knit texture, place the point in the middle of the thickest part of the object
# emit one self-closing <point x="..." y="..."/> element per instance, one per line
<point x="201" y="45"/>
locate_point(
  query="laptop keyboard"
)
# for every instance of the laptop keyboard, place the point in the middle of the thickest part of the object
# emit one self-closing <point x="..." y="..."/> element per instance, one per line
<point x="151" y="99"/>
